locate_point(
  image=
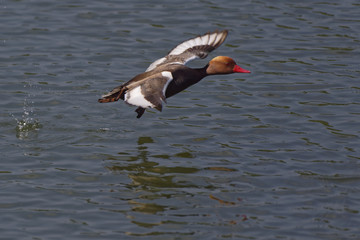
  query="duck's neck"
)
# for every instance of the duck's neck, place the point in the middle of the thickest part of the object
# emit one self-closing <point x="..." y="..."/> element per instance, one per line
<point x="203" y="71"/>
<point x="184" y="78"/>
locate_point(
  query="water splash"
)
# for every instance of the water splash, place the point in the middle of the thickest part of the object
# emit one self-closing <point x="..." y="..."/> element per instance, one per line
<point x="27" y="124"/>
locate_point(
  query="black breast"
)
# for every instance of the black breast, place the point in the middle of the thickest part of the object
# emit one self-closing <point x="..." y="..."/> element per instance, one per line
<point x="184" y="77"/>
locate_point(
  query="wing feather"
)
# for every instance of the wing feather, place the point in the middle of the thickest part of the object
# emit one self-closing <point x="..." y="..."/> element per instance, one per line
<point x="198" y="47"/>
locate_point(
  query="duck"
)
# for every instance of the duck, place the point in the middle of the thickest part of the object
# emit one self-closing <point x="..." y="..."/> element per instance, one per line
<point x="169" y="75"/>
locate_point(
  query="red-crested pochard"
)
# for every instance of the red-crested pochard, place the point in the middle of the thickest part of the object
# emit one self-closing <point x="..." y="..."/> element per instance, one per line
<point x="168" y="76"/>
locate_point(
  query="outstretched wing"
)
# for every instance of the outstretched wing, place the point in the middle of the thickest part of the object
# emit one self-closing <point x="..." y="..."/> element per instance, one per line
<point x="149" y="92"/>
<point x="198" y="47"/>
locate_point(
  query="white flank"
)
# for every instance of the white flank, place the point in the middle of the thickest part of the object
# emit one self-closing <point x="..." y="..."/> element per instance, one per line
<point x="169" y="77"/>
<point x="136" y="98"/>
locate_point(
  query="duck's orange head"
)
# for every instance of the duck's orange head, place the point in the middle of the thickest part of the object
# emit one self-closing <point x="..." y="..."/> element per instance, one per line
<point x="224" y="65"/>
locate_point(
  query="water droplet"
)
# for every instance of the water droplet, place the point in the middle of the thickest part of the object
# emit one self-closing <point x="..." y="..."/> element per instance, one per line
<point x="27" y="124"/>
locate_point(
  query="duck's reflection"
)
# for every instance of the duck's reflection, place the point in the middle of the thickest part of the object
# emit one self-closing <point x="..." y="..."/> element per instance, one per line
<point x="144" y="168"/>
<point x="148" y="177"/>
<point x="159" y="191"/>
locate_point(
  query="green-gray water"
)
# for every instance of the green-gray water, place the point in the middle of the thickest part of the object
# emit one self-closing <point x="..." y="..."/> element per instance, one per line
<point x="269" y="155"/>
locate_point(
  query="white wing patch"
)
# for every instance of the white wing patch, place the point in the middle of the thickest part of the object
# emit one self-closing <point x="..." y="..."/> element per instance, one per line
<point x="136" y="98"/>
<point x="207" y="39"/>
<point x="155" y="64"/>
<point x="197" y="47"/>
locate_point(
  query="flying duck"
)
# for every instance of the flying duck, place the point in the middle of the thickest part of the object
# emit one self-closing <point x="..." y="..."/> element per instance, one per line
<point x="169" y="75"/>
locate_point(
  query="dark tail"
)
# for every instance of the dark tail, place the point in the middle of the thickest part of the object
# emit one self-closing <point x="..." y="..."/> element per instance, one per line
<point x="114" y="95"/>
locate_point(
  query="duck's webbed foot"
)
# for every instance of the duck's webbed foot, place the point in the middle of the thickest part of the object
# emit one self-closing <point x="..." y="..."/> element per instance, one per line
<point x="140" y="111"/>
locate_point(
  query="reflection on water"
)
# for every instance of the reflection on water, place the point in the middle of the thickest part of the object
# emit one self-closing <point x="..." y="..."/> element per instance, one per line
<point x="163" y="190"/>
<point x="148" y="174"/>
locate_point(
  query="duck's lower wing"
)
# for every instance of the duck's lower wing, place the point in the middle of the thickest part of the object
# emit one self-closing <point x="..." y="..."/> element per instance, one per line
<point x="148" y="93"/>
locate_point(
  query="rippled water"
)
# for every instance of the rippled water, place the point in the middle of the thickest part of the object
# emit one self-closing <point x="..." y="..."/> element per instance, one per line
<point x="268" y="155"/>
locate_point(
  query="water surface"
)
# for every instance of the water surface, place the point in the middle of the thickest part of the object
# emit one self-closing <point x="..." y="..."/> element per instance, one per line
<point x="270" y="155"/>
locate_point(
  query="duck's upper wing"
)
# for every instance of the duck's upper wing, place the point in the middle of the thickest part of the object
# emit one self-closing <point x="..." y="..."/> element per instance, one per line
<point x="198" y="47"/>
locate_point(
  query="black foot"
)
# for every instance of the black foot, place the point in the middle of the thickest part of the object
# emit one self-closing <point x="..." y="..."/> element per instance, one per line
<point x="140" y="111"/>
